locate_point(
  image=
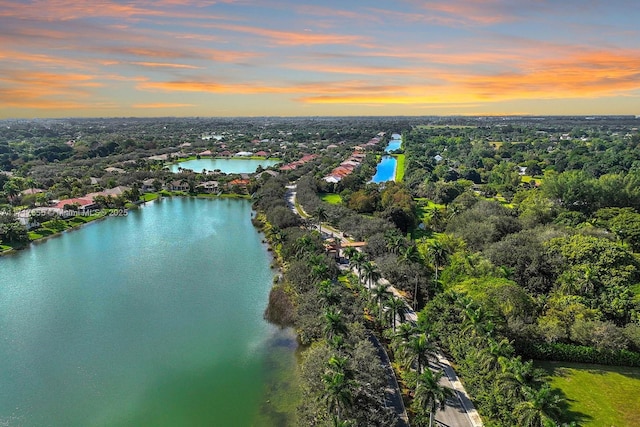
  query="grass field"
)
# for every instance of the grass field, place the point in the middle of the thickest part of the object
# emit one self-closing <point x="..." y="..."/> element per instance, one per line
<point x="400" y="167"/>
<point x="424" y="207"/>
<point x="598" y="396"/>
<point x="331" y="198"/>
<point x="527" y="178"/>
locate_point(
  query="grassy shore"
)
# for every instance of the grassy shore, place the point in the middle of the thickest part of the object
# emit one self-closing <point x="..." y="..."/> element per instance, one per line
<point x="598" y="395"/>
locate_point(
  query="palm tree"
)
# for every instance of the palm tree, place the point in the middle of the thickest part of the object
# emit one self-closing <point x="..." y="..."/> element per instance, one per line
<point x="349" y="252"/>
<point x="438" y="255"/>
<point x="370" y="273"/>
<point x="358" y="260"/>
<point x="430" y="395"/>
<point x="327" y="294"/>
<point x="337" y="392"/>
<point x="336" y="342"/>
<point x="30" y="183"/>
<point x="334" y="324"/>
<point x="320" y="214"/>
<point x="396" y="308"/>
<point x="495" y="354"/>
<point x="402" y="336"/>
<point x="409" y="255"/>
<point x="416" y="351"/>
<point x="517" y="376"/>
<point x="436" y="218"/>
<point x="340" y="364"/>
<point x="276" y="236"/>
<point x="541" y="408"/>
<point x="380" y="293"/>
<point x="453" y="210"/>
<point x="320" y="271"/>
<point x="394" y="242"/>
<point x="11" y="189"/>
<point x="476" y="321"/>
<point x="303" y="245"/>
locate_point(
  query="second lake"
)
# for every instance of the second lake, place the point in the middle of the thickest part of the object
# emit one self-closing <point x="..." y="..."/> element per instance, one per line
<point x="224" y="165"/>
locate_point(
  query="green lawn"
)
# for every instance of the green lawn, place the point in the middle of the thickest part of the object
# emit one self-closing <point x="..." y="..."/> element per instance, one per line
<point x="147" y="197"/>
<point x="598" y="396"/>
<point x="527" y="178"/>
<point x="400" y="167"/>
<point x="424" y="207"/>
<point x="331" y="198"/>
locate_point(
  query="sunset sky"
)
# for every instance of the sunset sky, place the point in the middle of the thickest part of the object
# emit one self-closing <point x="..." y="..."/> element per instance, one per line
<point x="106" y="58"/>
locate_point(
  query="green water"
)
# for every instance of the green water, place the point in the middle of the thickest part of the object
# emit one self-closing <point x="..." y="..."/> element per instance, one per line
<point x="151" y="319"/>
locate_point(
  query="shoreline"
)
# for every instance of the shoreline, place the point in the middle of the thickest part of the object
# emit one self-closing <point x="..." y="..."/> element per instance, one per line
<point x="43" y="239"/>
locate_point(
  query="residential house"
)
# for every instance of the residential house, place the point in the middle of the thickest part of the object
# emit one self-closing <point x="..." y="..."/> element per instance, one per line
<point x="82" y="203"/>
<point x="177" y="185"/>
<point x="208" y="187"/>
<point x="147" y="185"/>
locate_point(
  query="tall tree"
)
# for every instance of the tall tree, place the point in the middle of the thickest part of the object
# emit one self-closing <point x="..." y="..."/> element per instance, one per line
<point x="334" y="323"/>
<point x="320" y="214"/>
<point x="395" y="309"/>
<point x="430" y="395"/>
<point x="416" y="351"/>
<point x="437" y="253"/>
<point x="371" y="274"/>
<point x="379" y="294"/>
<point x="337" y="392"/>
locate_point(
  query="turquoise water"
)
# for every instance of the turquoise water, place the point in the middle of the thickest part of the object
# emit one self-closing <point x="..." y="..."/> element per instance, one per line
<point x="224" y="165"/>
<point x="386" y="170"/>
<point x="150" y="319"/>
<point x="392" y="146"/>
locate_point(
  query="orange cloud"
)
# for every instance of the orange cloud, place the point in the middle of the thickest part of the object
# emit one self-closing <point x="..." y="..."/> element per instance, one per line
<point x="47" y="90"/>
<point x="162" y="105"/>
<point x="582" y="75"/>
<point x="164" y="65"/>
<point x="462" y="12"/>
<point x="353" y="69"/>
<point x="291" y="38"/>
<point x="210" y="87"/>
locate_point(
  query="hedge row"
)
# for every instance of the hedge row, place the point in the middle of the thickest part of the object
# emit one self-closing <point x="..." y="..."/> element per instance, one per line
<point x="579" y="354"/>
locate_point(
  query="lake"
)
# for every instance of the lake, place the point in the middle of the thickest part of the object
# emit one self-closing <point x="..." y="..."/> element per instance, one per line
<point x="385" y="170"/>
<point x="151" y="319"/>
<point x="236" y="165"/>
<point x="395" y="143"/>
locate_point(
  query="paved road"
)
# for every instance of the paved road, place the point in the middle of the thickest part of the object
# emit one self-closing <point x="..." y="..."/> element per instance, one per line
<point x="392" y="395"/>
<point x="459" y="411"/>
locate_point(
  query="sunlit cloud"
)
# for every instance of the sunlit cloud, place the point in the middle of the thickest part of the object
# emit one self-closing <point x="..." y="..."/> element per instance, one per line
<point x="165" y="65"/>
<point x="292" y="38"/>
<point x="421" y="55"/>
<point x="162" y="105"/>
